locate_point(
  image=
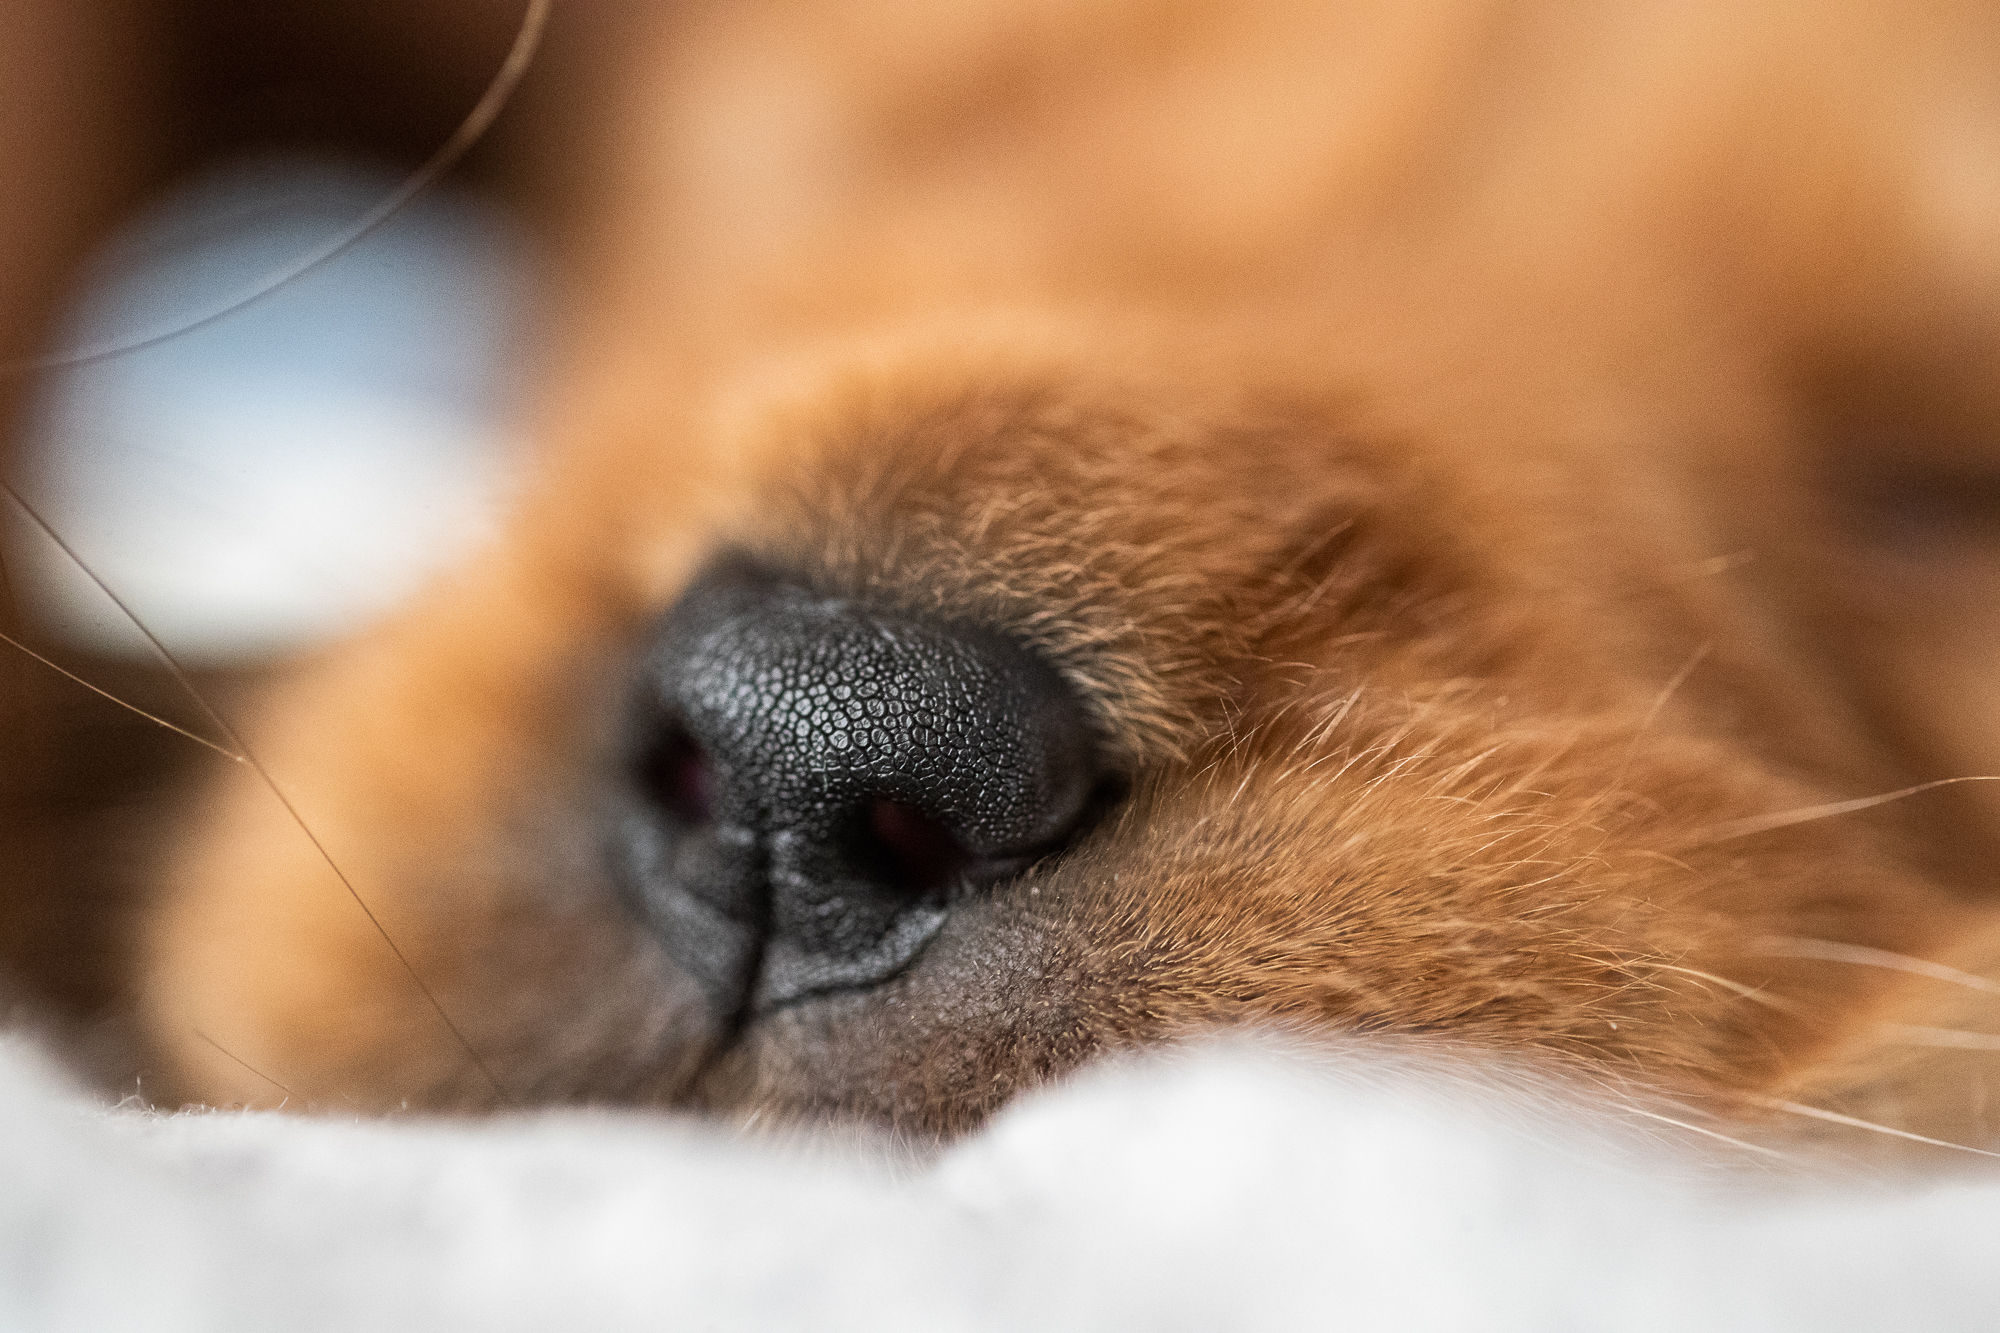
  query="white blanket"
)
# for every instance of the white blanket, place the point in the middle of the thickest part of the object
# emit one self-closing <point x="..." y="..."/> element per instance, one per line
<point x="1218" y="1189"/>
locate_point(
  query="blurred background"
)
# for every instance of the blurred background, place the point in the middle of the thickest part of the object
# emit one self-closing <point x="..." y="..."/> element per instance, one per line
<point x="275" y="477"/>
<point x="268" y="481"/>
<point x="250" y="488"/>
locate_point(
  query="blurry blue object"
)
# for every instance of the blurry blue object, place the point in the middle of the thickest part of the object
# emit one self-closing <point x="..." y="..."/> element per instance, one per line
<point x="278" y="476"/>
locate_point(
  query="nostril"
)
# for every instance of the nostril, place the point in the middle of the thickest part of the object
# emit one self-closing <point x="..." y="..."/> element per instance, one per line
<point x="824" y="780"/>
<point x="917" y="855"/>
<point x="678" y="775"/>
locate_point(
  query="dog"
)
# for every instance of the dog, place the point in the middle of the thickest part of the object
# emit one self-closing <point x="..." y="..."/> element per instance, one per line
<point x="1064" y="526"/>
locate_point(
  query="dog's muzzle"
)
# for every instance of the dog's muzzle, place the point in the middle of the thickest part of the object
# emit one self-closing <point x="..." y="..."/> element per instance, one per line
<point x="819" y="780"/>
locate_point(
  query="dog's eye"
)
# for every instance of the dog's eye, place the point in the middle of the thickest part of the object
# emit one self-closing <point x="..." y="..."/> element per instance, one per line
<point x="1911" y="441"/>
<point x="1928" y="512"/>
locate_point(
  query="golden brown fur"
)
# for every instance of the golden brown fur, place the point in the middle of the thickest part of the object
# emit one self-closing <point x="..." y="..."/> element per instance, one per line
<point x="1477" y="461"/>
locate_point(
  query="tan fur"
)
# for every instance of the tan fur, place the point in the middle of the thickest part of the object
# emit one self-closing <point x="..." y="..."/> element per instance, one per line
<point x="1446" y="445"/>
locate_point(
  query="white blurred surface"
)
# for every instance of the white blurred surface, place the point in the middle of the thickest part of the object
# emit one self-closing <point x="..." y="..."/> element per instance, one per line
<point x="279" y="476"/>
<point x="1223" y="1188"/>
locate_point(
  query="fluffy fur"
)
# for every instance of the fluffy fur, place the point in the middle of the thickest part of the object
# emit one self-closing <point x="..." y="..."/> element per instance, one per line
<point x="1464" y="455"/>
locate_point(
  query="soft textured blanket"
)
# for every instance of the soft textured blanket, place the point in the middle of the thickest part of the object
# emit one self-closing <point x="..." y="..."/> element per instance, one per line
<point x="1226" y="1188"/>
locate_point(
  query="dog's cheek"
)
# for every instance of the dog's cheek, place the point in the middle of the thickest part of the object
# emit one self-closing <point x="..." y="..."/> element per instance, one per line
<point x="474" y="967"/>
<point x="1493" y="889"/>
<point x="424" y="915"/>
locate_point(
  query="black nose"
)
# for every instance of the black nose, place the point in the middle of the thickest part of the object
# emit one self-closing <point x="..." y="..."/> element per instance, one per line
<point x="821" y="779"/>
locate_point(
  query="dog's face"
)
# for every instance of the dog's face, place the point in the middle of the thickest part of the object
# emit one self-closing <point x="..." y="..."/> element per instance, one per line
<point x="1061" y="530"/>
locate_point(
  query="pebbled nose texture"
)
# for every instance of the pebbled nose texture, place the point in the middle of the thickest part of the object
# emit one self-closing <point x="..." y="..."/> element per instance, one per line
<point x="821" y="779"/>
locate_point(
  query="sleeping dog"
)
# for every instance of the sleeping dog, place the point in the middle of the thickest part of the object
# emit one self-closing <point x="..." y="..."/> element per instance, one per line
<point x="1059" y="526"/>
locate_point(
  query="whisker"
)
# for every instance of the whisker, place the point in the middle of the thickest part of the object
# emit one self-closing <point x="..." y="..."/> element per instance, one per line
<point x="1743" y="828"/>
<point x="249" y="757"/>
<point x="1747" y="992"/>
<point x="1851" y="1122"/>
<point x="131" y="707"/>
<point x="1717" y="564"/>
<point x="1710" y="1133"/>
<point x="1667" y="692"/>
<point x="289" y="1094"/>
<point x="10" y="603"/>
<point x="1952" y="1038"/>
<point x="527" y="39"/>
<point x="1673" y="685"/>
<point x="1712" y="567"/>
<point x="1832" y="951"/>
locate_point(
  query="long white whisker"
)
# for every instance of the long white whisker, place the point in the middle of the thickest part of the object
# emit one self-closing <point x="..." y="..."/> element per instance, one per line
<point x="1832" y="951"/>
<point x="1835" y="1118"/>
<point x="1747" y="992"/>
<point x="1711" y="1133"/>
<point x="1743" y="828"/>
<point x="1950" y="1038"/>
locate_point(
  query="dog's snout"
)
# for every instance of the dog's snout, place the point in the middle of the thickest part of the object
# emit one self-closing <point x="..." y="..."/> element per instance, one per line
<point x="821" y="778"/>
